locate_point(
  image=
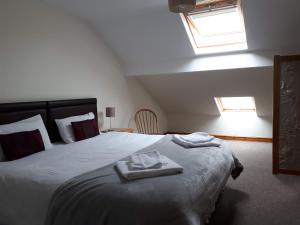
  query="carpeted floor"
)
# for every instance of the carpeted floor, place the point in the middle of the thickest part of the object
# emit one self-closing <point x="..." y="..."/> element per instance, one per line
<point x="257" y="197"/>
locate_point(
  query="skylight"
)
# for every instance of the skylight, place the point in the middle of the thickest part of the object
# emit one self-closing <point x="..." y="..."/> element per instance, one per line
<point x="216" y="28"/>
<point x="236" y="104"/>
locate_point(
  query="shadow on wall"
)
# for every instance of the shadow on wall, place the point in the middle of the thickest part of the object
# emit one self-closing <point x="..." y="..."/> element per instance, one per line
<point x="100" y="120"/>
<point x="136" y="98"/>
<point x="142" y="99"/>
<point x="231" y="124"/>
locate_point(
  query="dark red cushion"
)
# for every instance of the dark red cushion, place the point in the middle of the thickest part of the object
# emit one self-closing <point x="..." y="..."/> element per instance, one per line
<point x="85" y="129"/>
<point x="21" y="144"/>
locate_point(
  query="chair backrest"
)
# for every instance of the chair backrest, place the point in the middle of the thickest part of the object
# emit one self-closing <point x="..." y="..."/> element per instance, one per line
<point x="146" y="121"/>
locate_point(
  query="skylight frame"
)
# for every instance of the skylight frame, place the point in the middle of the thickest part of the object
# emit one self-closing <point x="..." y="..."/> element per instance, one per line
<point x="193" y="31"/>
<point x="224" y="109"/>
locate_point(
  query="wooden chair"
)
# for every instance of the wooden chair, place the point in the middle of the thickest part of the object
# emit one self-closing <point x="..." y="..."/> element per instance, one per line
<point x="146" y="121"/>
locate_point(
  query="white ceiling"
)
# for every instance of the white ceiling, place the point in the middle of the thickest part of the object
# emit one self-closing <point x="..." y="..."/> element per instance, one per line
<point x="194" y="93"/>
<point x="144" y="32"/>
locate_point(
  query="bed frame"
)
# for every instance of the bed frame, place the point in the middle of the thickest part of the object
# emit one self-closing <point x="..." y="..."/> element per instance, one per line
<point x="49" y="110"/>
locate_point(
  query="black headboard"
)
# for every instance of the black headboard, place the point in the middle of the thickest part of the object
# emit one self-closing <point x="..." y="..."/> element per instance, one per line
<point x="12" y="112"/>
<point x="49" y="110"/>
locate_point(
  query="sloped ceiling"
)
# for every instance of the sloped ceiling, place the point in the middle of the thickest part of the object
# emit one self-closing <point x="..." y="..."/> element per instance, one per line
<point x="144" y="33"/>
<point x="194" y="93"/>
<point x="151" y="41"/>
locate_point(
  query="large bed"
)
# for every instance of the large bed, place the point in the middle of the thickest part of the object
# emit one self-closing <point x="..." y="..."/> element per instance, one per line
<point x="78" y="183"/>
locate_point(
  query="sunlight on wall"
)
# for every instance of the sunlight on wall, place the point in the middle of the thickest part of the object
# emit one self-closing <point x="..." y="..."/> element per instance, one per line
<point x="239" y="120"/>
<point x="241" y="123"/>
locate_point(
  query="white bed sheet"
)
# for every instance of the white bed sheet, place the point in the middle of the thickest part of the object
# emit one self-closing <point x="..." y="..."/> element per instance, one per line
<point x="26" y="185"/>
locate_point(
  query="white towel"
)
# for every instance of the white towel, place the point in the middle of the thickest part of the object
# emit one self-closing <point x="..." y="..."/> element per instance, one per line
<point x="168" y="167"/>
<point x="146" y="160"/>
<point x="197" y="137"/>
<point x="187" y="144"/>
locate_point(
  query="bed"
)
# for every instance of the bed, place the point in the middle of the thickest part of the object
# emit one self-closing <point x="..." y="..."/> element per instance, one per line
<point x="78" y="183"/>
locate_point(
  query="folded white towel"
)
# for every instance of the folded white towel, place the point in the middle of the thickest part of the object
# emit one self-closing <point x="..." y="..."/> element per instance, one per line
<point x="197" y="137"/>
<point x="168" y="167"/>
<point x="178" y="140"/>
<point x="146" y="160"/>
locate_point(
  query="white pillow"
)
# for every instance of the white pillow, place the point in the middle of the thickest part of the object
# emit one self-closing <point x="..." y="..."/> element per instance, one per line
<point x="65" y="128"/>
<point x="29" y="124"/>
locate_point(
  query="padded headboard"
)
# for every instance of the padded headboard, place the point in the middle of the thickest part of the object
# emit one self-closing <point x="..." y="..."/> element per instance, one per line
<point x="49" y="110"/>
<point x="12" y="112"/>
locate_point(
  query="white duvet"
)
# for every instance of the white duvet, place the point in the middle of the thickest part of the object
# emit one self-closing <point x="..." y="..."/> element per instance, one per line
<point x="26" y="185"/>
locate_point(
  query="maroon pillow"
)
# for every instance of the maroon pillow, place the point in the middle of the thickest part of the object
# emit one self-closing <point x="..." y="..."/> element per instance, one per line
<point x="21" y="144"/>
<point x="85" y="129"/>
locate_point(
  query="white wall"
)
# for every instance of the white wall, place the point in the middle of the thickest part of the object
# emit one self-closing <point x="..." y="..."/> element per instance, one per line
<point x="188" y="99"/>
<point x="46" y="54"/>
<point x="240" y="125"/>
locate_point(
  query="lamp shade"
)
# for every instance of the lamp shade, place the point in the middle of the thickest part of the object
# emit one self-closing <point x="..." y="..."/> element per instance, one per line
<point x="182" y="6"/>
<point x="110" y="111"/>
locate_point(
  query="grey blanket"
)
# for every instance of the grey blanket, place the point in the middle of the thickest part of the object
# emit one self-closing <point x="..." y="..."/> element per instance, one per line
<point x="103" y="197"/>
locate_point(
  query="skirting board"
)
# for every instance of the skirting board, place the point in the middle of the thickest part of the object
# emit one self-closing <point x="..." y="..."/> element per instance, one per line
<point x="234" y="138"/>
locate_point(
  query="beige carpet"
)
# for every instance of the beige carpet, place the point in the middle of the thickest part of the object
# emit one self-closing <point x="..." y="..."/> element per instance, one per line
<point x="257" y="197"/>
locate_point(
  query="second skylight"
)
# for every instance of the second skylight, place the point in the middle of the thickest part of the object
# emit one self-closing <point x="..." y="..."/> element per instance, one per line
<point x="235" y="104"/>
